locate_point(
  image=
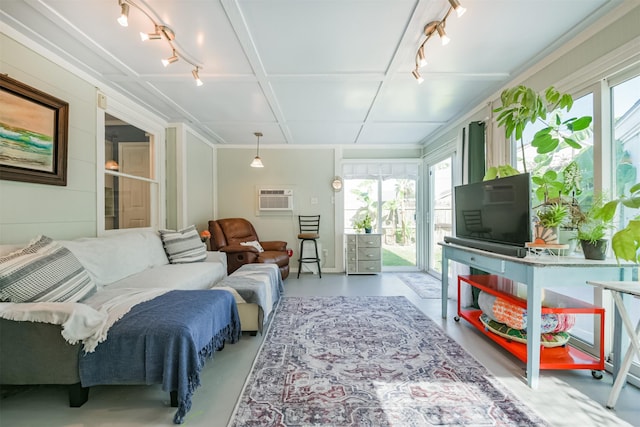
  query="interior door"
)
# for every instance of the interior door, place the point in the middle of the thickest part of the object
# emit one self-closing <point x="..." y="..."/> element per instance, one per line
<point x="134" y="193"/>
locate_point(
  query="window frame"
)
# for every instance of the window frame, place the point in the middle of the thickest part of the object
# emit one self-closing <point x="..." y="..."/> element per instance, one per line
<point x="125" y="110"/>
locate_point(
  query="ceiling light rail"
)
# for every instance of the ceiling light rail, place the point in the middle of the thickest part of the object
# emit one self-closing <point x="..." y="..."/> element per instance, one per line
<point x="161" y="32"/>
<point x="429" y="30"/>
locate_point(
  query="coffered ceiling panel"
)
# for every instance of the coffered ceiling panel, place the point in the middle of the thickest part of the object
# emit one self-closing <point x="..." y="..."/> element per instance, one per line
<point x="303" y="71"/>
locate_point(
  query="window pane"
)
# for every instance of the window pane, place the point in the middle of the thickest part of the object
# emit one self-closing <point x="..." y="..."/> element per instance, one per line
<point x="128" y="149"/>
<point x="127" y="202"/>
<point x="626" y="137"/>
<point x="360" y="198"/>
<point x="399" y="222"/>
<point x="442" y="218"/>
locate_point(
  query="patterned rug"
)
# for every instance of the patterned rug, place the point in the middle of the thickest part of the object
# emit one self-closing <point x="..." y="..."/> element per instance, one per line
<point x="369" y="361"/>
<point x="425" y="285"/>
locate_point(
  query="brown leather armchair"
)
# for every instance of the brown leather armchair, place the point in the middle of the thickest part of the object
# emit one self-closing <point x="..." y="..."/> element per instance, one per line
<point x="228" y="233"/>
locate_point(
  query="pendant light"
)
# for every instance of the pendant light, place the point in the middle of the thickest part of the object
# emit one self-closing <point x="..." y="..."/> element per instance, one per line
<point x="257" y="162"/>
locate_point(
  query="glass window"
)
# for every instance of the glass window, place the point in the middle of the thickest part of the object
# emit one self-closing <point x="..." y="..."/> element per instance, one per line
<point x="386" y="191"/>
<point x="625" y="98"/>
<point x="129" y="175"/>
<point x="441" y="224"/>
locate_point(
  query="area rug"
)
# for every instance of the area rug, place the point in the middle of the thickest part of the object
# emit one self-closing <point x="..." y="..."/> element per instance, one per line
<point x="425" y="285"/>
<point x="369" y="361"/>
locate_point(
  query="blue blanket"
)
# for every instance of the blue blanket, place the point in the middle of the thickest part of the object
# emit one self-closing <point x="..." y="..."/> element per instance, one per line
<point x="165" y="341"/>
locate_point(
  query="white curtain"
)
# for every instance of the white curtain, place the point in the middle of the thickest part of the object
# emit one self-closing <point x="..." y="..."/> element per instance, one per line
<point x="380" y="169"/>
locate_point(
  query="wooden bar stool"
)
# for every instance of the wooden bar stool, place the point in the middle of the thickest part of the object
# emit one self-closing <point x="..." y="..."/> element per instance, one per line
<point x="309" y="229"/>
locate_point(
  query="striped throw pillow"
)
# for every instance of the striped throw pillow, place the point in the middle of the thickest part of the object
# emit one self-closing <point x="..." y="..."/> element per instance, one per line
<point x="44" y="271"/>
<point x="183" y="246"/>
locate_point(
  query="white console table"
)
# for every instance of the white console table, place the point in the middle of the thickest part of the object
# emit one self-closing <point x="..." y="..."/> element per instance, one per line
<point x="618" y="290"/>
<point x="536" y="272"/>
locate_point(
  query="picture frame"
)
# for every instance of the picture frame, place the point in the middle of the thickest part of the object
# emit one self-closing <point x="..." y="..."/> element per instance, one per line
<point x="33" y="134"/>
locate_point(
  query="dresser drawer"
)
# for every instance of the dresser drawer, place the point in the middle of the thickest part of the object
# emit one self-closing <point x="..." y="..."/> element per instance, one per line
<point x="369" y="240"/>
<point x="485" y="263"/>
<point x="368" y="254"/>
<point x="351" y="267"/>
<point x="369" y="266"/>
<point x="351" y="240"/>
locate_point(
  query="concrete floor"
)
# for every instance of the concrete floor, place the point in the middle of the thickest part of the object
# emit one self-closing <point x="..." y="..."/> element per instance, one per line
<point x="564" y="398"/>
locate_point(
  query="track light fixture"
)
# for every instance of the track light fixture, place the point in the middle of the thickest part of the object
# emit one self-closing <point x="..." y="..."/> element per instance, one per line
<point x="160" y="32"/>
<point x="443" y="36"/>
<point x="195" y="75"/>
<point x="455" y="4"/>
<point x="422" y="60"/>
<point x="257" y="162"/>
<point x="124" y="14"/>
<point x="170" y="60"/>
<point x="431" y="28"/>
<point x="417" y="75"/>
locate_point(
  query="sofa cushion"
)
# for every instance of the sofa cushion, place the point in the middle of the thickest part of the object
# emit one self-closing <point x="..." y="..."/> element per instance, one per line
<point x="44" y="271"/>
<point x="114" y="257"/>
<point x="183" y="246"/>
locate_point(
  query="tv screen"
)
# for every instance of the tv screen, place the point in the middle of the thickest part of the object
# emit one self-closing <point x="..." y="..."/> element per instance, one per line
<point x="498" y="210"/>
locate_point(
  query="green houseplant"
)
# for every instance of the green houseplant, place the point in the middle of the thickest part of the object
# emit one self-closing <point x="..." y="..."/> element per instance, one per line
<point x="626" y="241"/>
<point x="364" y="223"/>
<point x="522" y="105"/>
<point x="593" y="230"/>
<point x="550" y="217"/>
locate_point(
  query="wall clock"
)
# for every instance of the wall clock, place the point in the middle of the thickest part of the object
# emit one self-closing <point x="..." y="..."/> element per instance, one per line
<point x="336" y="184"/>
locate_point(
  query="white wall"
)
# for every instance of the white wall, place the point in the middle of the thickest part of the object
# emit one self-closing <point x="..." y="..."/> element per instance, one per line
<point x="27" y="209"/>
<point x="308" y="171"/>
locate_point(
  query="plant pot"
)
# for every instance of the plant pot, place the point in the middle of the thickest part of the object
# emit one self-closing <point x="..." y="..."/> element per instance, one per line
<point x="567" y="237"/>
<point x="367" y="230"/>
<point x="597" y="250"/>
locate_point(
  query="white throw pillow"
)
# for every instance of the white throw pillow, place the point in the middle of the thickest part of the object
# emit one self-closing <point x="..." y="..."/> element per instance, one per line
<point x="183" y="246"/>
<point x="44" y="271"/>
<point x="253" y="243"/>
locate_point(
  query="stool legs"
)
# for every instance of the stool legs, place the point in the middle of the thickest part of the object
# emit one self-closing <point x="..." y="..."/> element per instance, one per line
<point x="308" y="259"/>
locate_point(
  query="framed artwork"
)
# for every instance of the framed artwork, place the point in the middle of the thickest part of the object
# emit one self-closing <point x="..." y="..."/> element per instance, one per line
<point x="33" y="134"/>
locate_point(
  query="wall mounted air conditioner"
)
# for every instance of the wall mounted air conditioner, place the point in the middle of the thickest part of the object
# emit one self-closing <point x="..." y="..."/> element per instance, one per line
<point x="275" y="200"/>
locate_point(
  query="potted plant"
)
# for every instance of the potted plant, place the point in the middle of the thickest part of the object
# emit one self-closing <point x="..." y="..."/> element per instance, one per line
<point x="550" y="217"/>
<point x="364" y="223"/>
<point x="522" y="105"/>
<point x="626" y="241"/>
<point x="593" y="230"/>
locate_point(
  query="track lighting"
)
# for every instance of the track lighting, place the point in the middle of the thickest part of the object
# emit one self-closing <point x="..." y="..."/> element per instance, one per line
<point x="124" y="14"/>
<point x="160" y="32"/>
<point x="422" y="60"/>
<point x="455" y="4"/>
<point x="151" y="36"/>
<point x="170" y="60"/>
<point x="257" y="162"/>
<point x="417" y="75"/>
<point x="443" y="36"/>
<point x="431" y="28"/>
<point x="195" y="75"/>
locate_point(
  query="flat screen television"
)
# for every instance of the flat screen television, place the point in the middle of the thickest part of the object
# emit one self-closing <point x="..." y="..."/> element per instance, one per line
<point x="496" y="211"/>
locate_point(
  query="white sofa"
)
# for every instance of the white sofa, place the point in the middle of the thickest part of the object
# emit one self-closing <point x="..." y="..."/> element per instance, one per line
<point x="133" y="259"/>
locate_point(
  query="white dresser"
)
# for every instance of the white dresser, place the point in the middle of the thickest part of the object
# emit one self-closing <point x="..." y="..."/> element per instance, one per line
<point x="363" y="253"/>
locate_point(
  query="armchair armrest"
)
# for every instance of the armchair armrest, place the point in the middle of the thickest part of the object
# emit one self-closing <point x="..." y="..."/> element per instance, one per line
<point x="238" y="248"/>
<point x="275" y="245"/>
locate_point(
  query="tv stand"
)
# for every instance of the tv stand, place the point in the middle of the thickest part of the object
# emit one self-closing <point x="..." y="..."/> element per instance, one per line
<point x="536" y="272"/>
<point x="497" y="248"/>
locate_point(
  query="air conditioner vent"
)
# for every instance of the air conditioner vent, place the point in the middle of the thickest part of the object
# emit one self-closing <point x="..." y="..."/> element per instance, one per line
<point x="275" y="200"/>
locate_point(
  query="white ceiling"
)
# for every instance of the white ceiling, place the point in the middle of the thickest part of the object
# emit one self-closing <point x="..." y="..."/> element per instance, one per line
<point x="306" y="71"/>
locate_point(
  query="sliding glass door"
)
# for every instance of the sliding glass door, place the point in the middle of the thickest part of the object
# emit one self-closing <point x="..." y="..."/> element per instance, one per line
<point x="385" y="190"/>
<point x="440" y="211"/>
